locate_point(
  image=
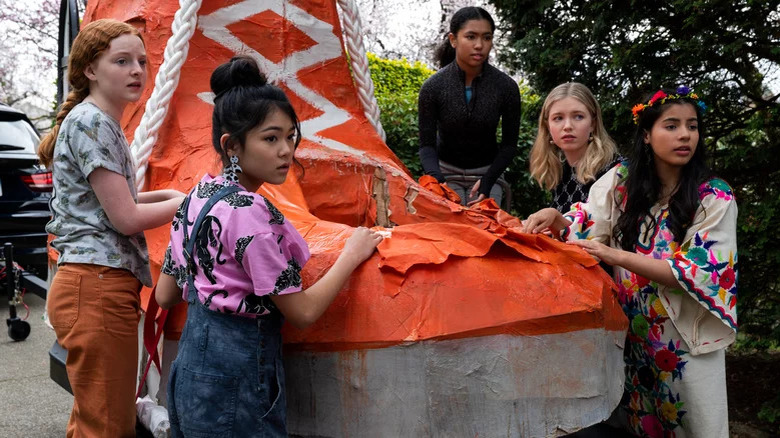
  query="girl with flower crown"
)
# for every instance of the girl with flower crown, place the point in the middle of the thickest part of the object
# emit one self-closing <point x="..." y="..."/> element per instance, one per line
<point x="668" y="226"/>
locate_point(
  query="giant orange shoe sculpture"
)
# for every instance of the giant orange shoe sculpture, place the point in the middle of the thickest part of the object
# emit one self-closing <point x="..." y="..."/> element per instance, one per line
<point x="459" y="325"/>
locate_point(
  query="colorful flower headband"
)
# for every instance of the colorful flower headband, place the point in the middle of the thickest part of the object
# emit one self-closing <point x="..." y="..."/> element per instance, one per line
<point x="661" y="97"/>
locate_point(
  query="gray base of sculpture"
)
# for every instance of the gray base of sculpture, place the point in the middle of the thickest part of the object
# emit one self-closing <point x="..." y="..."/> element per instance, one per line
<point x="491" y="386"/>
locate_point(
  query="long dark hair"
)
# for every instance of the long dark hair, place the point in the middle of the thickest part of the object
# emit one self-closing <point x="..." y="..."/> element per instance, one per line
<point x="643" y="187"/>
<point x="445" y="53"/>
<point x="243" y="99"/>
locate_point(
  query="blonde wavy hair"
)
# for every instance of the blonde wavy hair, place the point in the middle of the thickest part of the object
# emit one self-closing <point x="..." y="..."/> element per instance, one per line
<point x="89" y="44"/>
<point x="545" y="164"/>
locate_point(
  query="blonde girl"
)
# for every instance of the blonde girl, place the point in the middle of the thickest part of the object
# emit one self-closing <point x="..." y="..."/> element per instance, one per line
<point x="572" y="148"/>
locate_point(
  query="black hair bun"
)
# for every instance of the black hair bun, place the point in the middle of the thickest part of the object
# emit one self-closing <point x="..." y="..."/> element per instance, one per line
<point x="240" y="71"/>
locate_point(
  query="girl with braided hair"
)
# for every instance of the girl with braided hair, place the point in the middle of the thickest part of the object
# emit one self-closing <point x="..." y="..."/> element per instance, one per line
<point x="98" y="221"/>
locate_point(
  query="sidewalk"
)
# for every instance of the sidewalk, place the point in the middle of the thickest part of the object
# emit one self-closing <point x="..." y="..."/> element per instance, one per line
<point x="31" y="404"/>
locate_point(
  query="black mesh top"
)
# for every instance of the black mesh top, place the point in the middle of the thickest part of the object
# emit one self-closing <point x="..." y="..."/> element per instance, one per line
<point x="570" y="191"/>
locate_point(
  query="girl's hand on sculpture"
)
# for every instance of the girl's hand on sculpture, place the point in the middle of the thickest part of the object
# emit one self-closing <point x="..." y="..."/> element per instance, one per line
<point x="546" y="218"/>
<point x="473" y="194"/>
<point x="303" y="308"/>
<point x="658" y="270"/>
<point x="599" y="251"/>
<point x="479" y="199"/>
<point x="361" y="245"/>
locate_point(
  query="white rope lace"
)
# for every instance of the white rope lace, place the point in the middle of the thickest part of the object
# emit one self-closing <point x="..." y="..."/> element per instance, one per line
<point x="167" y="79"/>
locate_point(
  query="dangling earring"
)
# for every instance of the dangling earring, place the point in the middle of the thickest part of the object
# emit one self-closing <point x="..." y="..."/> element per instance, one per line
<point x="231" y="172"/>
<point x="590" y="138"/>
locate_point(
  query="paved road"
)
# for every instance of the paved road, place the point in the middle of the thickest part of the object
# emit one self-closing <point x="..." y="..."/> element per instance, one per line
<point x="31" y="404"/>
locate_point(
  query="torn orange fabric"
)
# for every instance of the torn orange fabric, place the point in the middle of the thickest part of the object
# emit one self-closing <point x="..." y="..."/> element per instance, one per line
<point x="442" y="190"/>
<point x="446" y="271"/>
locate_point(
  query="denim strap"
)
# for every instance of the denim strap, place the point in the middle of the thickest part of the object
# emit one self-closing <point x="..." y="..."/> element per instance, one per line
<point x="189" y="240"/>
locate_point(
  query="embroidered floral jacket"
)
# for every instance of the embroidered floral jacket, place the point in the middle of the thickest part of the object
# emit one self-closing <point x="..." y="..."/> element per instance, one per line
<point x="704" y="306"/>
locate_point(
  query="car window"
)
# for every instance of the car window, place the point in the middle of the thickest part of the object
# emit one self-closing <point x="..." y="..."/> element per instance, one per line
<point x="18" y="136"/>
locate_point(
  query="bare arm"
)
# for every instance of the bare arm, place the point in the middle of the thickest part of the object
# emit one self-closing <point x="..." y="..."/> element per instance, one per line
<point x="546" y="218"/>
<point x="305" y="307"/>
<point x="159" y="195"/>
<point x="168" y="293"/>
<point x="653" y="269"/>
<point x="125" y="215"/>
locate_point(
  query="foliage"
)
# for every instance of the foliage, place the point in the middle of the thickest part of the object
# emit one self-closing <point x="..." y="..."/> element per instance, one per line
<point x="397" y="84"/>
<point x="626" y="49"/>
<point x="30" y="38"/>
<point x="527" y="196"/>
<point x="397" y="76"/>
<point x="753" y="344"/>
<point x="410" y="29"/>
<point x="770" y="411"/>
<point x="28" y="65"/>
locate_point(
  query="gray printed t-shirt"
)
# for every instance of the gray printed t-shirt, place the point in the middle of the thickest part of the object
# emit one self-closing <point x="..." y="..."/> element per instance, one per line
<point x="89" y="138"/>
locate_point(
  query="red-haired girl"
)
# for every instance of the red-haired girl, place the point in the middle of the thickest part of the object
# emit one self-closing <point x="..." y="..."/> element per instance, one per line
<point x="98" y="221"/>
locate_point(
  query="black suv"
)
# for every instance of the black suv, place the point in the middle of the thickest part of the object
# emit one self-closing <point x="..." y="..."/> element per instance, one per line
<point x="25" y="190"/>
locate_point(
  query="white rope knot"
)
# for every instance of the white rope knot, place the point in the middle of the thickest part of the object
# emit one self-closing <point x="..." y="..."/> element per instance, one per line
<point x="165" y="83"/>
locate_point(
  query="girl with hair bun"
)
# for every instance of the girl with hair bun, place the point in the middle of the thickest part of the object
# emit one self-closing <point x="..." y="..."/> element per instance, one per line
<point x="572" y="148"/>
<point x="668" y="226"/>
<point x="98" y="221"/>
<point x="237" y="261"/>
<point x="459" y="108"/>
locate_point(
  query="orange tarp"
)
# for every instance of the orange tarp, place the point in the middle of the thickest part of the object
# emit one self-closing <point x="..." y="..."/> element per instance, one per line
<point x="445" y="272"/>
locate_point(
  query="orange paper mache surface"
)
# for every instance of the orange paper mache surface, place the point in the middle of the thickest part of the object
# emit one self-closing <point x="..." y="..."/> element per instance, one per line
<point x="444" y="271"/>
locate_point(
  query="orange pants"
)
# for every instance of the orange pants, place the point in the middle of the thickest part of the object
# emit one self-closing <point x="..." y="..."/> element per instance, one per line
<point x="95" y="312"/>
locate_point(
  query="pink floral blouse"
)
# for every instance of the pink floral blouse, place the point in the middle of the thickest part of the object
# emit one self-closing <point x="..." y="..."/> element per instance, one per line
<point x="245" y="252"/>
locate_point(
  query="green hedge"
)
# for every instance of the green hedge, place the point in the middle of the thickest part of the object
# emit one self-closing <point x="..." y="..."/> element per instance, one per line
<point x="397" y="84"/>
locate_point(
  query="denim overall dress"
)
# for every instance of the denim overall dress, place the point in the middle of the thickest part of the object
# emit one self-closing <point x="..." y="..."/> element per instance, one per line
<point x="227" y="379"/>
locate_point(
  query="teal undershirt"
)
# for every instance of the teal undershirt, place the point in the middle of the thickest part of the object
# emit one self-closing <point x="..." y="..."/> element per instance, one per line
<point x="468" y="94"/>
